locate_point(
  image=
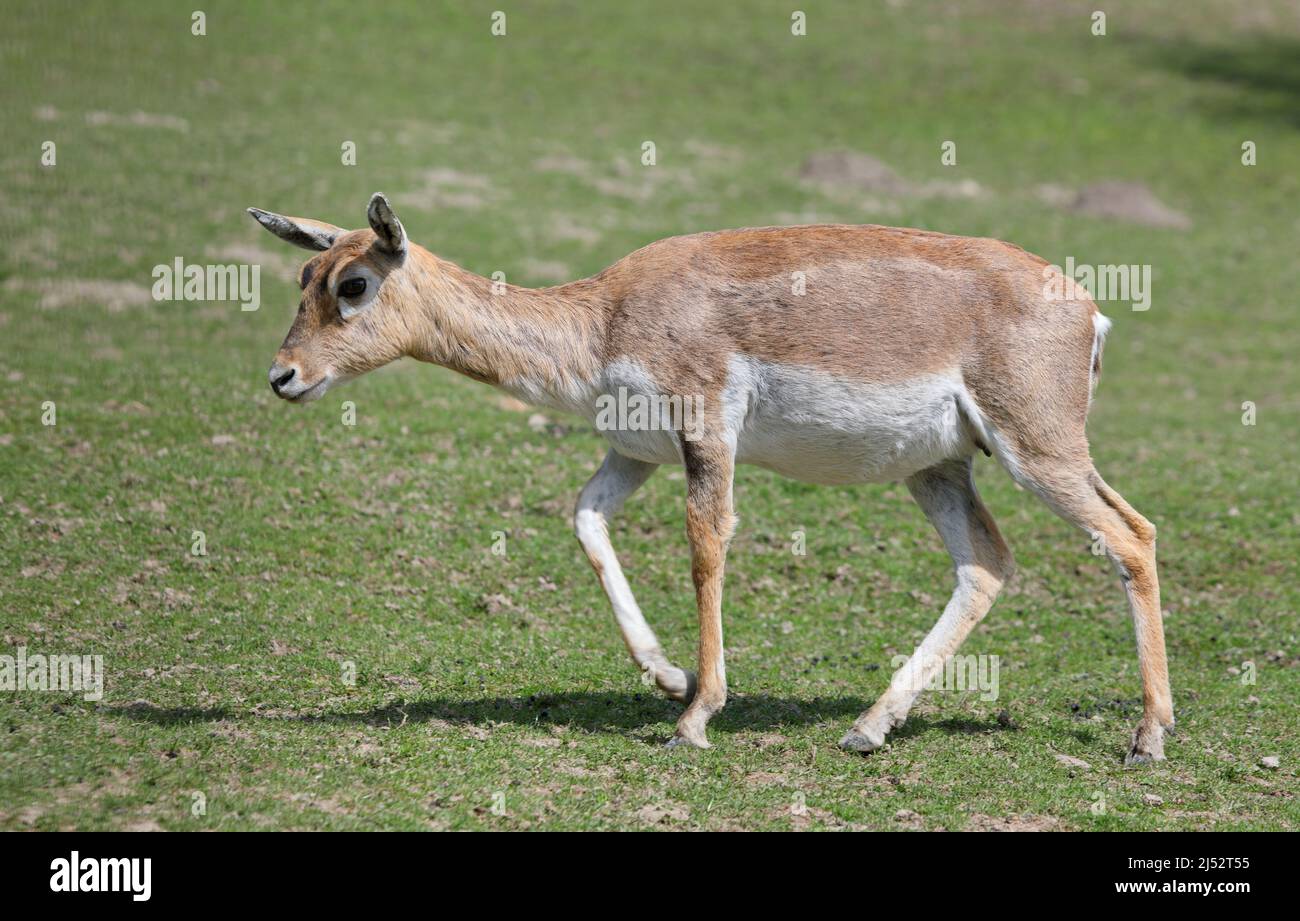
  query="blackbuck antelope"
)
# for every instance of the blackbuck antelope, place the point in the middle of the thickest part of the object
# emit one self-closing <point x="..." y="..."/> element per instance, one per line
<point x="832" y="354"/>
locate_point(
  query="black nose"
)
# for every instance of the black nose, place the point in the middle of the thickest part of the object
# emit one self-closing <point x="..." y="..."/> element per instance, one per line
<point x="282" y="380"/>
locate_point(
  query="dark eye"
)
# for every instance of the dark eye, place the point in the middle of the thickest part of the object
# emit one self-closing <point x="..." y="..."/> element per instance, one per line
<point x="353" y="287"/>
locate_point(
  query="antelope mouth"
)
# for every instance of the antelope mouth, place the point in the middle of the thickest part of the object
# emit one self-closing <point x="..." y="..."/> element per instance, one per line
<point x="314" y="392"/>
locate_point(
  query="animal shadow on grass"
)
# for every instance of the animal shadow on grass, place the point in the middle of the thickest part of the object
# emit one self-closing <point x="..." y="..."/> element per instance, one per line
<point x="589" y="711"/>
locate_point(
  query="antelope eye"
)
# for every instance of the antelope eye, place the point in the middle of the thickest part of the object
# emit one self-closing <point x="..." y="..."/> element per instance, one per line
<point x="353" y="287"/>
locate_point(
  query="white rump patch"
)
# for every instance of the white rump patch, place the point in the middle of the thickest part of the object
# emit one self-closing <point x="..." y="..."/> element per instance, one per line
<point x="1100" y="327"/>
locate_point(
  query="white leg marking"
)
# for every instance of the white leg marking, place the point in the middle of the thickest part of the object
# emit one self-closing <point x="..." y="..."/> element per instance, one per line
<point x="947" y="495"/>
<point x="602" y="497"/>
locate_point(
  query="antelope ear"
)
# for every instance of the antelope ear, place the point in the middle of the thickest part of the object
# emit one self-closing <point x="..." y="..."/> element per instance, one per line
<point x="389" y="230"/>
<point x="300" y="231"/>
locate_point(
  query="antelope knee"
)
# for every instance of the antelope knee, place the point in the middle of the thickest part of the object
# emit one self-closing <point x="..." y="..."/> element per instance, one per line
<point x="589" y="527"/>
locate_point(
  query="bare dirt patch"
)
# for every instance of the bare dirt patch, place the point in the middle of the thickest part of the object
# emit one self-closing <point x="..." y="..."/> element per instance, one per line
<point x="1073" y="763"/>
<point x="273" y="261"/>
<point x="717" y="153"/>
<point x="840" y="168"/>
<point x="36" y="248"/>
<point x="1131" y="202"/>
<point x="836" y="172"/>
<point x="663" y="814"/>
<point x="54" y="294"/>
<point x="449" y="188"/>
<point x="411" y="132"/>
<point x="981" y="822"/>
<point x="624" y="178"/>
<point x="806" y="817"/>
<point x="547" y="270"/>
<point x="137" y="120"/>
<point x="563" y="227"/>
<point x="767" y="779"/>
<point x="563" y="163"/>
<point x="907" y="818"/>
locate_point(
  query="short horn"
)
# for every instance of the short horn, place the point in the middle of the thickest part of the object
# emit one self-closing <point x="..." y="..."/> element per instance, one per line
<point x="391" y="235"/>
<point x="300" y="231"/>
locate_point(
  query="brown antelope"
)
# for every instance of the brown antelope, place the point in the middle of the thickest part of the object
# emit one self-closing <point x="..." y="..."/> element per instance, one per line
<point x="893" y="354"/>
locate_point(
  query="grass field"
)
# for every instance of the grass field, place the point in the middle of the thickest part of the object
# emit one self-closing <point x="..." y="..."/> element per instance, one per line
<point x="493" y="691"/>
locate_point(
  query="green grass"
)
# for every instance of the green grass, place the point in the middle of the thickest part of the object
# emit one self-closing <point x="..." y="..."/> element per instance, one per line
<point x="480" y="674"/>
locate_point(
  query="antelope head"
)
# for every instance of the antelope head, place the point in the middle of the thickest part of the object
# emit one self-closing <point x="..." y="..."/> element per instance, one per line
<point x="354" y="312"/>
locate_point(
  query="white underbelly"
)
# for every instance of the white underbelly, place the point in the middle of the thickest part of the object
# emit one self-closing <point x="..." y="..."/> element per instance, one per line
<point x="820" y="428"/>
<point x="814" y="426"/>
